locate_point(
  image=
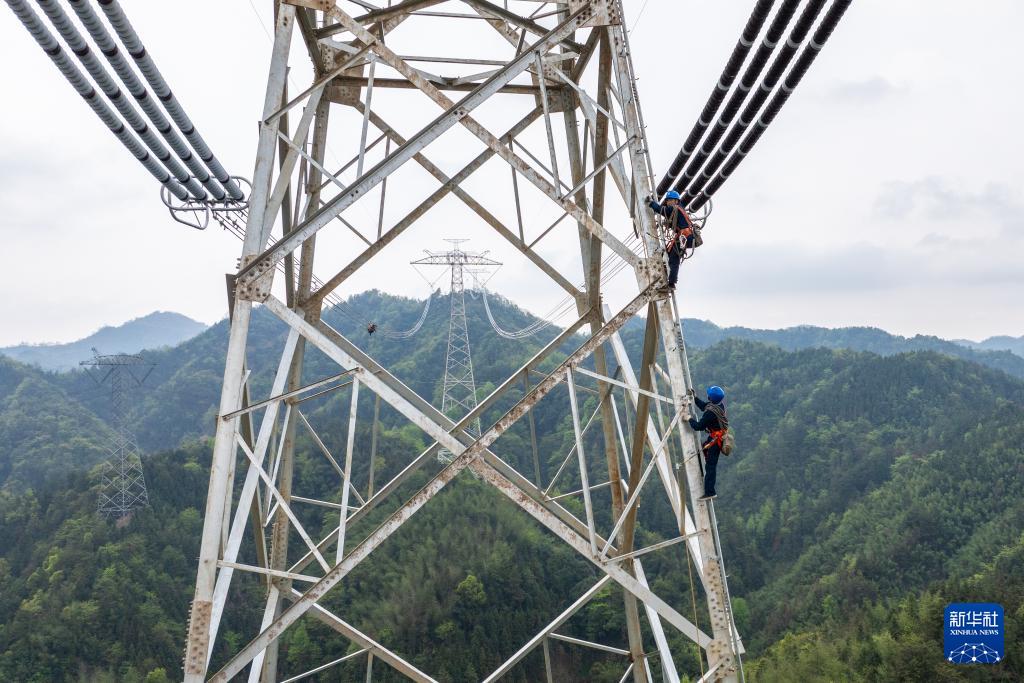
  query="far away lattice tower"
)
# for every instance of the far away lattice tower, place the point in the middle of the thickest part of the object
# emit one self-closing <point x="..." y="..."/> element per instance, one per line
<point x="123" y="487"/>
<point x="413" y="90"/>
<point x="459" y="397"/>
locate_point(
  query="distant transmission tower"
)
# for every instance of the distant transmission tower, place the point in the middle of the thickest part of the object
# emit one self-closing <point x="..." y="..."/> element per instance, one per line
<point x="459" y="384"/>
<point x="123" y="488"/>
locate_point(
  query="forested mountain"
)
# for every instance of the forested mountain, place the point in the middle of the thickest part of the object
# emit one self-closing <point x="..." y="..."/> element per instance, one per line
<point x="43" y="431"/>
<point x="999" y="343"/>
<point x="151" y="331"/>
<point x="178" y="401"/>
<point x="866" y="493"/>
<point x="1002" y="353"/>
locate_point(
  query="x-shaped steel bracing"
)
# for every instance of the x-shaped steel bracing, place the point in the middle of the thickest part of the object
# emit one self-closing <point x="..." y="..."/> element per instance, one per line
<point x="614" y="139"/>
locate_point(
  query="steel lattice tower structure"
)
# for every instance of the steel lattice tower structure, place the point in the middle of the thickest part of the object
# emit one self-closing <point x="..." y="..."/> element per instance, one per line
<point x="123" y="486"/>
<point x="557" y="77"/>
<point x="459" y="397"/>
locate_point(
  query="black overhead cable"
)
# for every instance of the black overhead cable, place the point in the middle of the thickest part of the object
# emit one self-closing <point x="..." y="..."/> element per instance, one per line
<point x="109" y="48"/>
<point x="84" y="87"/>
<point x="749" y="115"/>
<point x="748" y="81"/>
<point x="732" y="68"/>
<point x="821" y="36"/>
<point x="67" y="30"/>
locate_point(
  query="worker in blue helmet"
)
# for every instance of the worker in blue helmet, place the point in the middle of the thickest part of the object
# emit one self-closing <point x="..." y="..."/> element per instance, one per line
<point x="679" y="228"/>
<point x="715" y="422"/>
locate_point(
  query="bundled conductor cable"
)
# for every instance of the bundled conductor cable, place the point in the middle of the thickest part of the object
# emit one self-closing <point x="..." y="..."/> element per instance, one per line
<point x="102" y="78"/>
<point x="749" y="115"/>
<point x="137" y="50"/>
<point x="732" y="68"/>
<point x="821" y="36"/>
<point x="84" y="88"/>
<point x="747" y="82"/>
<point x="108" y="46"/>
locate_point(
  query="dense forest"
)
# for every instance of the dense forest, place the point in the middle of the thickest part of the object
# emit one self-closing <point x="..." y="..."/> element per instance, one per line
<point x="867" y="492"/>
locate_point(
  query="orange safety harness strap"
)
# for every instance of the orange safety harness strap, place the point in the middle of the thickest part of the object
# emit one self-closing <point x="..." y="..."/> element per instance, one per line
<point x="715" y="437"/>
<point x="677" y="231"/>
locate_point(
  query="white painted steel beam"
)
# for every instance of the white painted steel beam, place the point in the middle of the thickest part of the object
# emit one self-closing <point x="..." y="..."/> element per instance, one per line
<point x="365" y="641"/>
<point x="559" y="65"/>
<point x="198" y="645"/>
<point x="590" y="644"/>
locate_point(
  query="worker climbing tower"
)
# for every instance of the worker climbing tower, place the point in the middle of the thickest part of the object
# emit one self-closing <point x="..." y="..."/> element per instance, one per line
<point x="546" y="91"/>
<point x="459" y="395"/>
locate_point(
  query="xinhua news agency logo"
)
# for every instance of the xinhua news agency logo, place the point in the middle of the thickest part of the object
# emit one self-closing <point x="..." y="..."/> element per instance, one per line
<point x="974" y="633"/>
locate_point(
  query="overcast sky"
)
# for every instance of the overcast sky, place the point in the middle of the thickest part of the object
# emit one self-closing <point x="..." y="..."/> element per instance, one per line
<point x="887" y="192"/>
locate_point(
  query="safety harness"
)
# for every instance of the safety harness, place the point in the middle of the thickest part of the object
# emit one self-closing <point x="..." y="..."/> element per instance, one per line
<point x="673" y="225"/>
<point x="717" y="437"/>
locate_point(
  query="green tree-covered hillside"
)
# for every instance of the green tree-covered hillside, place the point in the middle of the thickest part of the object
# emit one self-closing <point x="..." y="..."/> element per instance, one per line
<point x="866" y="492"/>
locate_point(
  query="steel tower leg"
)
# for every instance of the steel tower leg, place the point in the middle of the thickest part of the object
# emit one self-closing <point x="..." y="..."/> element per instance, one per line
<point x="591" y="254"/>
<point x="198" y="646"/>
<point x="573" y="64"/>
<point x="721" y="654"/>
<point x="286" y="461"/>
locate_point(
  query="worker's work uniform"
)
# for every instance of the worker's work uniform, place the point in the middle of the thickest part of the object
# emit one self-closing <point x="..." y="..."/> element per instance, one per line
<point x="679" y="242"/>
<point x="708" y="422"/>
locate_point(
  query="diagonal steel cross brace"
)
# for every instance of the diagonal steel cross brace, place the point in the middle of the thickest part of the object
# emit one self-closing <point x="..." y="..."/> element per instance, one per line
<point x="365" y="641"/>
<point x="465" y="456"/>
<point x="555" y="623"/>
<point x="448" y="186"/>
<point x="453" y="114"/>
<point x="318" y="296"/>
<point x="384" y="492"/>
<point x="581" y="545"/>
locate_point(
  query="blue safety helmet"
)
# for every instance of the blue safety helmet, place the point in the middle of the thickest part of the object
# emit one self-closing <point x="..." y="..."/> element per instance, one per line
<point x="716" y="394"/>
<point x="672" y="194"/>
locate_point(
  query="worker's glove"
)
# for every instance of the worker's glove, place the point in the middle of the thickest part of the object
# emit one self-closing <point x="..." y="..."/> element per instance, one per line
<point x="649" y="198"/>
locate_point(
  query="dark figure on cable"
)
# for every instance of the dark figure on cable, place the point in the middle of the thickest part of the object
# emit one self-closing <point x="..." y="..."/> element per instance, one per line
<point x="714" y="422"/>
<point x="680" y="232"/>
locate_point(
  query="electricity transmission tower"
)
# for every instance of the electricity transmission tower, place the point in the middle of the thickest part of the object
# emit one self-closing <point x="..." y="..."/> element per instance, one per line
<point x="459" y="385"/>
<point x="561" y="73"/>
<point x="123" y="486"/>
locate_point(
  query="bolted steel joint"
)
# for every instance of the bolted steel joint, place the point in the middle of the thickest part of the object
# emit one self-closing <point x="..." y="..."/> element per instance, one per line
<point x="255" y="284"/>
<point x="199" y="633"/>
<point x="597" y="12"/>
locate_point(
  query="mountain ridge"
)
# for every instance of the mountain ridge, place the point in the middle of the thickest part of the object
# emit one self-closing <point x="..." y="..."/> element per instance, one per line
<point x="703" y="333"/>
<point x="152" y="331"/>
<point x="1002" y="342"/>
<point x="185" y="383"/>
<point x="168" y="329"/>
